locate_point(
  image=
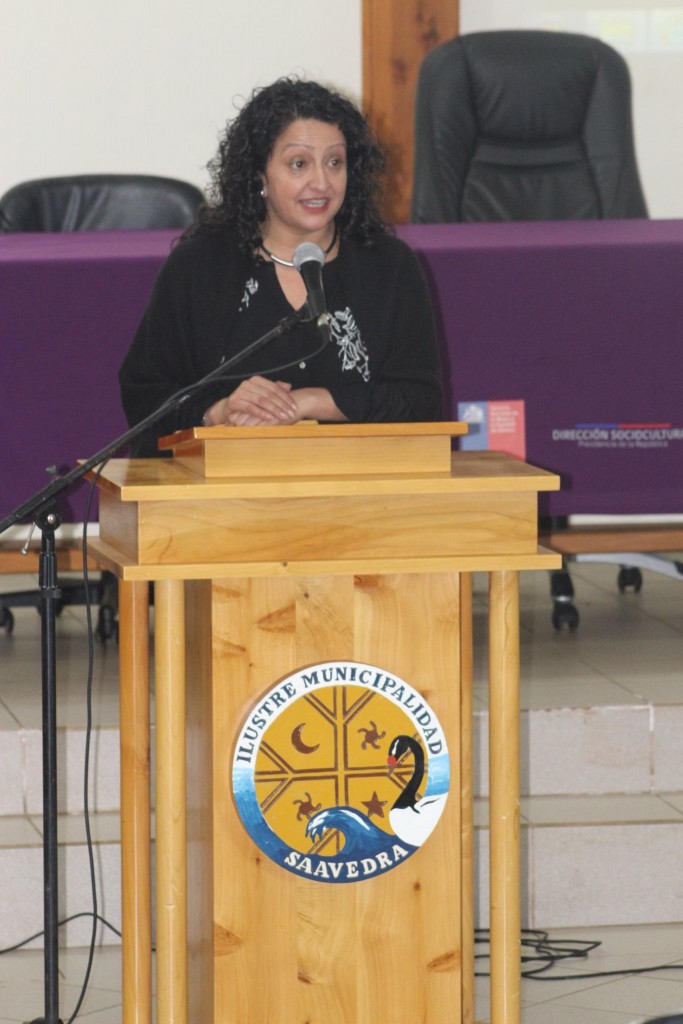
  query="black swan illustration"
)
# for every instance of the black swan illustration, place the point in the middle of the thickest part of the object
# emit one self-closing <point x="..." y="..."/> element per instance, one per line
<point x="411" y="819"/>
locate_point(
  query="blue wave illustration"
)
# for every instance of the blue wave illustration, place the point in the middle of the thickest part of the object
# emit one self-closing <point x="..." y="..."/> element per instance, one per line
<point x="368" y="851"/>
<point x="362" y="838"/>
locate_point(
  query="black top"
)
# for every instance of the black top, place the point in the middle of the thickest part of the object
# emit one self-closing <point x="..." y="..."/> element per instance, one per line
<point x="210" y="300"/>
<point x="299" y="356"/>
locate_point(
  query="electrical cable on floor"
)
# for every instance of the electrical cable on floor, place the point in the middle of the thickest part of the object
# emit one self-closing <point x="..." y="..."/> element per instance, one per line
<point x="60" y="924"/>
<point x="546" y="952"/>
<point x="538" y="948"/>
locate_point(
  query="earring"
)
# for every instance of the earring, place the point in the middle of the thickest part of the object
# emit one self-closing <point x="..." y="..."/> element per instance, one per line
<point x="262" y="193"/>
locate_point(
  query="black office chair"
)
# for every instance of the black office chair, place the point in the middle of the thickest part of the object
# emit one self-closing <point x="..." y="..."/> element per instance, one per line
<point x="100" y="202"/>
<point x="524" y="125"/>
<point x="93" y="202"/>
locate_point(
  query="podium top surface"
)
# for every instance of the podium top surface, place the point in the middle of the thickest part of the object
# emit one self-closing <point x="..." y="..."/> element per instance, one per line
<point x="135" y="480"/>
<point x="311" y="449"/>
<point x="311" y="428"/>
<point x="226" y="508"/>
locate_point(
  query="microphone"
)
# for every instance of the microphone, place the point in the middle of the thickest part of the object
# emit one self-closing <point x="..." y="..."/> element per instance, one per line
<point x="308" y="259"/>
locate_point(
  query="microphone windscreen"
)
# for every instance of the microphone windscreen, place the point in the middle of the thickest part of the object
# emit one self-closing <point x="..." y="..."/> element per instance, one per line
<point x="305" y="252"/>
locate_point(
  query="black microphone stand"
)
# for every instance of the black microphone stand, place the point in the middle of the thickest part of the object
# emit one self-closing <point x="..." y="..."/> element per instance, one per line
<point x="43" y="508"/>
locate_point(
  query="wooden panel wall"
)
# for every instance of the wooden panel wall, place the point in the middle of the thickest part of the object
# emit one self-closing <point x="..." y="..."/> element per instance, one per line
<point x="396" y="36"/>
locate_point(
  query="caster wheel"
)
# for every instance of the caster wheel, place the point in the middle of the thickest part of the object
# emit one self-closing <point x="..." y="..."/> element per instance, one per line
<point x="6" y="620"/>
<point x="629" y="578"/>
<point x="565" y="616"/>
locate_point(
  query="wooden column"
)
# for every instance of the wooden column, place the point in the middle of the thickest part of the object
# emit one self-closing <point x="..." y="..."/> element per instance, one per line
<point x="136" y="908"/>
<point x="466" y="797"/>
<point x="171" y="861"/>
<point x="396" y="36"/>
<point x="504" y="837"/>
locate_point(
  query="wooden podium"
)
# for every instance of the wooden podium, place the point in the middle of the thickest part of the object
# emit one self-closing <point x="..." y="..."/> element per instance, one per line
<point x="273" y="550"/>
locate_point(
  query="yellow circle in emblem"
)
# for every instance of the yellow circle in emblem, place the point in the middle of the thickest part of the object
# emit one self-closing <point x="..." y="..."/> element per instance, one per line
<point x="329" y="749"/>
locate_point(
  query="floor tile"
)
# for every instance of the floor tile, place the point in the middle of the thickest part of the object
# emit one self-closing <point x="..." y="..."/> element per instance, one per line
<point x="574" y="692"/>
<point x="7" y="719"/>
<point x="664" y="942"/>
<point x="18" y="831"/>
<point x="559" y="1013"/>
<point x="641" y="995"/>
<point x="567" y="810"/>
<point x="624" y="873"/>
<point x="104" y="828"/>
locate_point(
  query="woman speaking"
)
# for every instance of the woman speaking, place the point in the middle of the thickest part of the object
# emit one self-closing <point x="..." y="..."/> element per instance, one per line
<point x="298" y="164"/>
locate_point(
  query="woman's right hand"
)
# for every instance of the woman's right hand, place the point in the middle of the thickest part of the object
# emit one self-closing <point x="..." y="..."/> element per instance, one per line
<point x="257" y="401"/>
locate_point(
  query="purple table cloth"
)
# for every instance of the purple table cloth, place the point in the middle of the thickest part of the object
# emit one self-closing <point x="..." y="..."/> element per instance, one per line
<point x="69" y="305"/>
<point x="582" y="320"/>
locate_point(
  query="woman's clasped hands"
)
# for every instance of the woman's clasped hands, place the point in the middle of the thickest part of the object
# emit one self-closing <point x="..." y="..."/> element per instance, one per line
<point x="259" y="402"/>
<point x="256" y="402"/>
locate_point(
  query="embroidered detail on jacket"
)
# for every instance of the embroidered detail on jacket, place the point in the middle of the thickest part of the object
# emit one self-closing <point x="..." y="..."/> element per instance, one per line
<point x="352" y="351"/>
<point x="250" y="288"/>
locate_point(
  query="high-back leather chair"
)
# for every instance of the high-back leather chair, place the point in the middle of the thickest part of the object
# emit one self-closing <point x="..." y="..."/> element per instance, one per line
<point x="520" y="126"/>
<point x="99" y="202"/>
<point x="524" y="125"/>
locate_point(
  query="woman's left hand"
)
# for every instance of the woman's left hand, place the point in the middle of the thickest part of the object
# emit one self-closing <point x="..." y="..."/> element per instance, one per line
<point x="310" y="403"/>
<point x="317" y="404"/>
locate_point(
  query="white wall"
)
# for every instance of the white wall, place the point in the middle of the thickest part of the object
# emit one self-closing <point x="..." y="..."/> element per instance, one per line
<point x="145" y="86"/>
<point x="649" y="34"/>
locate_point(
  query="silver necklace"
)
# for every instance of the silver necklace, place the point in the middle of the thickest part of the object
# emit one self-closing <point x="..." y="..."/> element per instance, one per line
<point x="289" y="263"/>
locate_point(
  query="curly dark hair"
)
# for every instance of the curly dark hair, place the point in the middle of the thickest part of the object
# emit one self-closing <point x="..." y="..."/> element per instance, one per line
<point x="247" y="142"/>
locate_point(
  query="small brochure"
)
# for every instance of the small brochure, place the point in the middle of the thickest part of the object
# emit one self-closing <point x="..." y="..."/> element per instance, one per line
<point x="494" y="426"/>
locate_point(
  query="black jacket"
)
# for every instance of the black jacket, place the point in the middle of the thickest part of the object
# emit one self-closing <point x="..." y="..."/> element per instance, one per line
<point x="186" y="331"/>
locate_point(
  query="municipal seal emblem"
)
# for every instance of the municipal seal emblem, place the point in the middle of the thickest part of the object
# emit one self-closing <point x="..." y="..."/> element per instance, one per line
<point x="340" y="772"/>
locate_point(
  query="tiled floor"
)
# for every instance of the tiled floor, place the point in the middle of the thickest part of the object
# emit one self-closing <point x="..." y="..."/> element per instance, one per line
<point x="628" y="650"/>
<point x="607" y="1000"/>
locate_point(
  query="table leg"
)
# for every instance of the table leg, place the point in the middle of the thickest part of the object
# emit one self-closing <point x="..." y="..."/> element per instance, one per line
<point x="136" y="909"/>
<point x="466" y="800"/>
<point x="504" y="838"/>
<point x="171" y="831"/>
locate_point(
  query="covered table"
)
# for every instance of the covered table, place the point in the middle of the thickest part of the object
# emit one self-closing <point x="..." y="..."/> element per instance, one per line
<point x="580" y="319"/>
